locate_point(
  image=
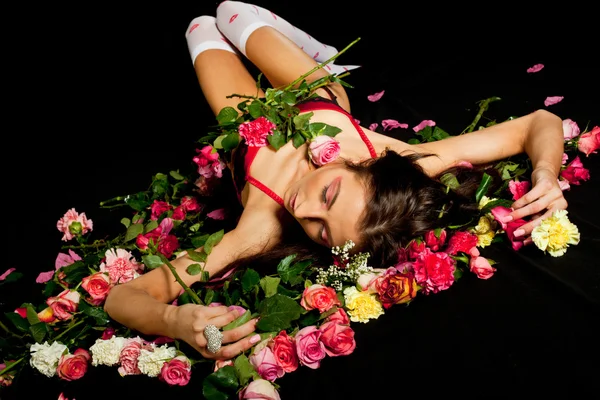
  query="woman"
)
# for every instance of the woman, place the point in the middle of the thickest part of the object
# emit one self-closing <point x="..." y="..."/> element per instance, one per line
<point x="379" y="193"/>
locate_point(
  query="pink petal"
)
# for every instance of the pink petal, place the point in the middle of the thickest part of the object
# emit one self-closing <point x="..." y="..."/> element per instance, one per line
<point x="423" y="124"/>
<point x="375" y="96"/>
<point x="6" y="274"/>
<point x="391" y="124"/>
<point x="373" y="126"/>
<point x="44" y="277"/>
<point x="217" y="214"/>
<point x="535" y="68"/>
<point x="550" y="100"/>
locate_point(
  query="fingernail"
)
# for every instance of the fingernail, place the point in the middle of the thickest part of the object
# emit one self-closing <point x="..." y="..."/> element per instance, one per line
<point x="519" y="232"/>
<point x="508" y="218"/>
<point x="255" y="339"/>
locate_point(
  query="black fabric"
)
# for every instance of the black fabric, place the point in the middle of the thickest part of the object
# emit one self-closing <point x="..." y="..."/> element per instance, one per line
<point x="104" y="97"/>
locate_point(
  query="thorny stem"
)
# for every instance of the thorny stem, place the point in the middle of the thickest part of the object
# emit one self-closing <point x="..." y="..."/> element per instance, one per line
<point x="185" y="287"/>
<point x="68" y="329"/>
<point x="10" y="366"/>
<point x="483" y="106"/>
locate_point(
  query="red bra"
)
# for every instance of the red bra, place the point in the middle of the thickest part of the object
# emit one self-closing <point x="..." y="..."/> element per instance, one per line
<point x="320" y="103"/>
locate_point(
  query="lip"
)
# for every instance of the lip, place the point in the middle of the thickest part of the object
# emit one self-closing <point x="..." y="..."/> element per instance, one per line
<point x="293" y="201"/>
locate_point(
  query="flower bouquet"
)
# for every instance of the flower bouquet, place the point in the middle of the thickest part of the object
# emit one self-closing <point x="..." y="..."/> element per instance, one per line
<point x="306" y="312"/>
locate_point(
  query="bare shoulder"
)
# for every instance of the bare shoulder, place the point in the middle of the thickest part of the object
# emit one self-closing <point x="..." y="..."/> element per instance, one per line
<point x="259" y="226"/>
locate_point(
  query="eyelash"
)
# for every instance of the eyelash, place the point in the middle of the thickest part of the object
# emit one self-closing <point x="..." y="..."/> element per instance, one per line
<point x="324" y="198"/>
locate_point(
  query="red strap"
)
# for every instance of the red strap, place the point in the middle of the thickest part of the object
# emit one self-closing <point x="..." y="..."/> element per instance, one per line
<point x="265" y="190"/>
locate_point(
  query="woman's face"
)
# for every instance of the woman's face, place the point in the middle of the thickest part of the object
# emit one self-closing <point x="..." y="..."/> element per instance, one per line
<point x="328" y="203"/>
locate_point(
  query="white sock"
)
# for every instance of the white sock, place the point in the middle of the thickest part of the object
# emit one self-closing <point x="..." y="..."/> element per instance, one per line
<point x="202" y="34"/>
<point x="237" y="20"/>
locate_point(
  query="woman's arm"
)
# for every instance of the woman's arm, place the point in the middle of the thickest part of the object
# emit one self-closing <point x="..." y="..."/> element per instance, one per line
<point x="143" y="303"/>
<point x="539" y="135"/>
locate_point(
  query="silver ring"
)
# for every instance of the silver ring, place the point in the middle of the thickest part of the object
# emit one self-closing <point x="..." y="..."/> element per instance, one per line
<point x="214" y="338"/>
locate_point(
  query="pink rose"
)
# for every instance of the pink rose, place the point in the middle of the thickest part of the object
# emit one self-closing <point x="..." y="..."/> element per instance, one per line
<point x="284" y="351"/>
<point x="589" y="142"/>
<point x="259" y="389"/>
<point x="570" y="129"/>
<point x="177" y="371"/>
<point x="434" y="271"/>
<point x="208" y="162"/>
<point x="65" y="304"/>
<point x="97" y="285"/>
<point x="574" y="173"/>
<point x="128" y="359"/>
<point x="266" y="365"/>
<point x="338" y="339"/>
<point x="255" y="132"/>
<point x="320" y="297"/>
<point x="518" y="188"/>
<point x="499" y="213"/>
<point x="415" y="247"/>
<point x="481" y="267"/>
<point x="323" y="149"/>
<point x="73" y="366"/>
<point x="108" y="333"/>
<point x="366" y="281"/>
<point x="309" y="347"/>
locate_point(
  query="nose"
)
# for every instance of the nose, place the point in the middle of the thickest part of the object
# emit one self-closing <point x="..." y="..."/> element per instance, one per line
<point x="309" y="210"/>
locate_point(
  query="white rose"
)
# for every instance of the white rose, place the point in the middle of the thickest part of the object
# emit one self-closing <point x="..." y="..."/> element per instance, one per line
<point x="44" y="357"/>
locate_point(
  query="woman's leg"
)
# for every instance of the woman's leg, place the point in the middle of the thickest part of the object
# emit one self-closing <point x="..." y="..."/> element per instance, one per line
<point x="218" y="65"/>
<point x="279" y="58"/>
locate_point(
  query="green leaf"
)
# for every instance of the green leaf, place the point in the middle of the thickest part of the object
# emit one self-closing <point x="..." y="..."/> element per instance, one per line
<point x="12" y="277"/>
<point x="221" y="384"/>
<point x="38" y="331"/>
<point x="95" y="312"/>
<point x="413" y="141"/>
<point x="227" y="115"/>
<point x="19" y="322"/>
<point x="176" y="175"/>
<point x="495" y="203"/>
<point x="245" y="370"/>
<point x="483" y="187"/>
<point x="276" y="139"/>
<point x="152" y="261"/>
<point x="198" y="241"/>
<point x="439" y="133"/>
<point x="194" y="269"/>
<point x="137" y="201"/>
<point x="298" y="140"/>
<point x="450" y="180"/>
<point x="250" y="279"/>
<point x="319" y="128"/>
<point x="255" y="109"/>
<point x="301" y="121"/>
<point x="213" y="240"/>
<point x="269" y="285"/>
<point x="217" y="144"/>
<point x="198" y="256"/>
<point x="239" y="321"/>
<point x="277" y="312"/>
<point x="288" y="98"/>
<point x="133" y="231"/>
<point x="126" y="222"/>
<point x="231" y="141"/>
<point x="32" y="316"/>
<point x="425" y="133"/>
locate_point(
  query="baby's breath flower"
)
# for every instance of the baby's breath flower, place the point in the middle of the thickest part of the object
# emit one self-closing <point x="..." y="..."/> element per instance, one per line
<point x="555" y="234"/>
<point x="354" y="266"/>
<point x="362" y="306"/>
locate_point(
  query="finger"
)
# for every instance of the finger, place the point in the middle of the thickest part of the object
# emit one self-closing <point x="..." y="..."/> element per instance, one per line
<point x="526" y="229"/>
<point x="235" y="334"/>
<point x="232" y="350"/>
<point x="224" y="319"/>
<point x="214" y="311"/>
<point x="529" y="197"/>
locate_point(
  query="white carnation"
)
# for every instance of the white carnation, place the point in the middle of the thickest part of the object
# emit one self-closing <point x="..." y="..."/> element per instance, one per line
<point x="45" y="357"/>
<point x="107" y="352"/>
<point x="151" y="361"/>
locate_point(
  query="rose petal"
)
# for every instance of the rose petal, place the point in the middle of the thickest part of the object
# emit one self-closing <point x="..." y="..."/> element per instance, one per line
<point x="44" y="277"/>
<point x="550" y="100"/>
<point x="391" y="124"/>
<point x="375" y="96"/>
<point x="535" y="68"/>
<point x="6" y="274"/>
<point x="423" y="124"/>
<point x="373" y="126"/>
<point x="217" y="214"/>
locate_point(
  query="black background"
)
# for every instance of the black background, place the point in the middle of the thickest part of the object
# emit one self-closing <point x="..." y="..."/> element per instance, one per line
<point x="100" y="96"/>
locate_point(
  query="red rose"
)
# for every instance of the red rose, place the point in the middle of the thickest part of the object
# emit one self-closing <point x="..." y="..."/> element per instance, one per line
<point x="73" y="366"/>
<point x="461" y="241"/>
<point x="97" y="285"/>
<point x="320" y="297"/>
<point x="338" y="339"/>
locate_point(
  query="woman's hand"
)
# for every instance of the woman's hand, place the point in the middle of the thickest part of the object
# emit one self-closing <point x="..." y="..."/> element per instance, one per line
<point x="191" y="319"/>
<point x="544" y="197"/>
